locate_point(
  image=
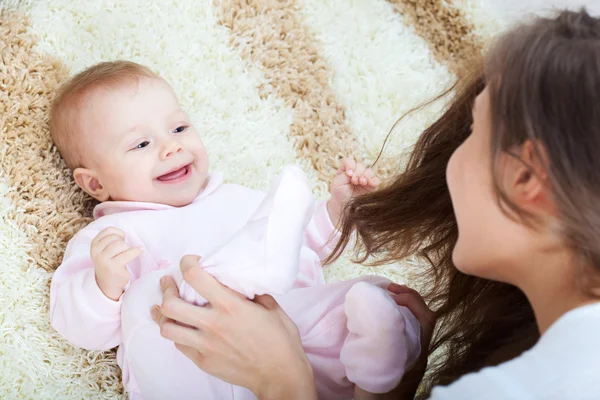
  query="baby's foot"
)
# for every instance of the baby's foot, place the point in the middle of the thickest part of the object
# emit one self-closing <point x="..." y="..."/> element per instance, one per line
<point x="383" y="339"/>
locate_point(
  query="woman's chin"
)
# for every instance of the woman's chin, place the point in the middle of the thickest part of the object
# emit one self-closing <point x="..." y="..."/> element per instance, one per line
<point x="460" y="259"/>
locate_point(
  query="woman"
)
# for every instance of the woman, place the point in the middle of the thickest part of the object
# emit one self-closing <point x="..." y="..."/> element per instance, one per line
<point x="503" y="201"/>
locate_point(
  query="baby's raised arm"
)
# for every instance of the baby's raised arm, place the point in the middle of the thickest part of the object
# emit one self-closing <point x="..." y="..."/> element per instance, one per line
<point x="79" y="310"/>
<point x="321" y="235"/>
<point x="353" y="179"/>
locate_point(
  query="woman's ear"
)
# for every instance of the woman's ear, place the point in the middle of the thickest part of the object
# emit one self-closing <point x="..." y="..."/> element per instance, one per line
<point x="530" y="180"/>
<point x="88" y="181"/>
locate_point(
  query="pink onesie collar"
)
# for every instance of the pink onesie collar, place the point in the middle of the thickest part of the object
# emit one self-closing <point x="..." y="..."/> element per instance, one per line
<point x="113" y="207"/>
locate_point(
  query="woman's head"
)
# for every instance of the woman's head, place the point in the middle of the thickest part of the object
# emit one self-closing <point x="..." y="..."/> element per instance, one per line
<point x="527" y="180"/>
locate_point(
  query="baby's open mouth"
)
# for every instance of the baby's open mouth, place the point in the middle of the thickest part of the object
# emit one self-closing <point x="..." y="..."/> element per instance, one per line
<point x="176" y="174"/>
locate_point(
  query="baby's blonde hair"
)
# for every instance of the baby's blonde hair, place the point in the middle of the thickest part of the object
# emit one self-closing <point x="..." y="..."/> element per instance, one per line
<point x="64" y="113"/>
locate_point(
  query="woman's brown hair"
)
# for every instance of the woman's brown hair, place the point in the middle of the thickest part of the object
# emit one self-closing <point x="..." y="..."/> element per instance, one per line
<point x="545" y="87"/>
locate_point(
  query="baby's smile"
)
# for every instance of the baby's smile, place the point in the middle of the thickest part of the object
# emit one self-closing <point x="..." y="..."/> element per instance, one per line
<point x="176" y="175"/>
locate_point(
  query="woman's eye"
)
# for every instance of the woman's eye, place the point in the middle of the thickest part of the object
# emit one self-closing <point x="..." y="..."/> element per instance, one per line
<point x="180" y="129"/>
<point x="142" y="145"/>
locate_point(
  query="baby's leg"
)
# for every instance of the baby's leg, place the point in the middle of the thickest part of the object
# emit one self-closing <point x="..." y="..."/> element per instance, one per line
<point x="353" y="332"/>
<point x="383" y="339"/>
<point x="156" y="369"/>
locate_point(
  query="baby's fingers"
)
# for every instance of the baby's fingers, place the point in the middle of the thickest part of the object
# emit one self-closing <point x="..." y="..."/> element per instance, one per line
<point x="115" y="248"/>
<point x="127" y="256"/>
<point x="348" y="166"/>
<point x="106" y="237"/>
<point x="107" y="241"/>
<point x="366" y="177"/>
<point x="358" y="173"/>
<point x="107" y="232"/>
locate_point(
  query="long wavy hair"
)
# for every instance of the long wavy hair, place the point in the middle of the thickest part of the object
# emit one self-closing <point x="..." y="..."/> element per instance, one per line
<point x="544" y="82"/>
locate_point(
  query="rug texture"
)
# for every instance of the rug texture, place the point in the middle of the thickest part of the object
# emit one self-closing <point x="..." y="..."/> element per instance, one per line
<point x="268" y="83"/>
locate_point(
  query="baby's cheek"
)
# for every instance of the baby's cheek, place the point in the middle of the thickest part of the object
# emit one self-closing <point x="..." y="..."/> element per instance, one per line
<point x="137" y="184"/>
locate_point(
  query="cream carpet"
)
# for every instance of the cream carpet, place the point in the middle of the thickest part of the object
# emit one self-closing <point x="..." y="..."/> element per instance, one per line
<point x="268" y="83"/>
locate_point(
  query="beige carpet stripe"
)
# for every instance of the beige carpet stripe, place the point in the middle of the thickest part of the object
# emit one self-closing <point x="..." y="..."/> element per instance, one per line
<point x="451" y="36"/>
<point x="50" y="209"/>
<point x="486" y="22"/>
<point x="270" y="34"/>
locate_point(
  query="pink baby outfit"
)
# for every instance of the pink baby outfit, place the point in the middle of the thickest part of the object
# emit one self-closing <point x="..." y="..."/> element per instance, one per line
<point x="352" y="332"/>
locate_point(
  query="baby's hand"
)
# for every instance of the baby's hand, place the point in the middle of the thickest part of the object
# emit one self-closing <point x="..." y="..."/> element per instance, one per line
<point x="351" y="180"/>
<point x="110" y="254"/>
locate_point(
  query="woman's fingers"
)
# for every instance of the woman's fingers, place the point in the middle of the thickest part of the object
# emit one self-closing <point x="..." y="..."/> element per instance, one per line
<point x="169" y="288"/>
<point x="172" y="330"/>
<point x="266" y="301"/>
<point x="186" y="313"/>
<point x="269" y="303"/>
<point x="411" y="302"/>
<point x="395" y="288"/>
<point x="192" y="354"/>
<point x="201" y="281"/>
<point x="157" y="316"/>
<point x="411" y="299"/>
<point x="205" y="284"/>
<point x="179" y="310"/>
<point x="181" y="334"/>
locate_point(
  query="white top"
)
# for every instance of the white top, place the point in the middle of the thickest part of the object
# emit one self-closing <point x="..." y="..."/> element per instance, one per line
<point x="564" y="364"/>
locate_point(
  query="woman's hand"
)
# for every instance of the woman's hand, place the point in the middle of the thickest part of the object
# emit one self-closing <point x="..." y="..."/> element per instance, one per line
<point x="411" y="299"/>
<point x="253" y="344"/>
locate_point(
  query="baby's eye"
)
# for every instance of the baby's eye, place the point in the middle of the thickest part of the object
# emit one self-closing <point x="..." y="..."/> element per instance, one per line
<point x="145" y="143"/>
<point x="180" y="129"/>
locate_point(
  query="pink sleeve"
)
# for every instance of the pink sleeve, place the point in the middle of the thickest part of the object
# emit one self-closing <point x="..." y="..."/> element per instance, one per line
<point x="320" y="235"/>
<point x="79" y="311"/>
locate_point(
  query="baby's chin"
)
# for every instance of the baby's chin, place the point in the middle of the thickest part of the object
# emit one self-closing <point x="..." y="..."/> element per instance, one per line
<point x="173" y="198"/>
<point x="177" y="203"/>
<point x="174" y="195"/>
<point x="182" y="199"/>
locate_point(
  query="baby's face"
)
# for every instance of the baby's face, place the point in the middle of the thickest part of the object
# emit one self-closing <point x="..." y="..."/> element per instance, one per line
<point x="141" y="146"/>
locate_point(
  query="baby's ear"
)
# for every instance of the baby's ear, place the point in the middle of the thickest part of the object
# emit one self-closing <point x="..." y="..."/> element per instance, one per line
<point x="88" y="181"/>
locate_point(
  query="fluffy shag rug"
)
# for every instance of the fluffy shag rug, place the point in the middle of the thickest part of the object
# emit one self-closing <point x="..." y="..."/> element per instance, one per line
<point x="268" y="82"/>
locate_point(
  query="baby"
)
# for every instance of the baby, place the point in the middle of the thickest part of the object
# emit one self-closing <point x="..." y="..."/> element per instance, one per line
<point x="130" y="145"/>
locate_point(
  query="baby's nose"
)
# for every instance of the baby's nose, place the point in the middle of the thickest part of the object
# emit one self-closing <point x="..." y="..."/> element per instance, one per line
<point x="170" y="148"/>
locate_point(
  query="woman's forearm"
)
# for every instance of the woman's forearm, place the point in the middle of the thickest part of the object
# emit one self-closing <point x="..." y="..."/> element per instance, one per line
<point x="298" y="385"/>
<point x="295" y="392"/>
<point x="410" y="383"/>
<point x="360" y="394"/>
<point x="406" y="390"/>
